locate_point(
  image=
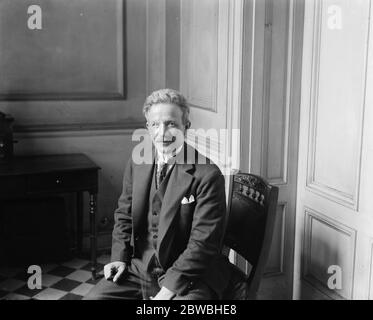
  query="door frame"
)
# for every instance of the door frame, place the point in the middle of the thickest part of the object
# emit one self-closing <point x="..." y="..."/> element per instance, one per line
<point x="256" y="73"/>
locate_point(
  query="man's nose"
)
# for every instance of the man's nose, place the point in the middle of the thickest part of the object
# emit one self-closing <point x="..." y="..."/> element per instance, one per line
<point x="162" y="129"/>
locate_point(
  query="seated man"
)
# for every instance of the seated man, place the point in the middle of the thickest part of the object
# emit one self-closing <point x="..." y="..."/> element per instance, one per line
<point x="171" y="217"/>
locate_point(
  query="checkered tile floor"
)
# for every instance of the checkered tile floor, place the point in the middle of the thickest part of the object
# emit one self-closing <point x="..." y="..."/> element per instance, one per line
<point x="70" y="280"/>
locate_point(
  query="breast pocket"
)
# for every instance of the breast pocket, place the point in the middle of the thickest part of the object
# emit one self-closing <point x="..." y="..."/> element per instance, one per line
<point x="185" y="208"/>
<point x="186" y="215"/>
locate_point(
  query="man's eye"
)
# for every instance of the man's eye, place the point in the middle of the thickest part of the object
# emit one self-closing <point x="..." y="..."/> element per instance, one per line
<point x="171" y="124"/>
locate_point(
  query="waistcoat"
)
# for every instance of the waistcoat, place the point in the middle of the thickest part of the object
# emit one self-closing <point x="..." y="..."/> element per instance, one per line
<point x="148" y="247"/>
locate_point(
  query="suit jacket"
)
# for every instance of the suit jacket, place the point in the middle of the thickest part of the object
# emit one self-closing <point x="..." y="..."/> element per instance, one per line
<point x="189" y="235"/>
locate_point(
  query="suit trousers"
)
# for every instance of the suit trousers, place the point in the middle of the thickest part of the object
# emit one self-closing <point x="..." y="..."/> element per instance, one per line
<point x="139" y="285"/>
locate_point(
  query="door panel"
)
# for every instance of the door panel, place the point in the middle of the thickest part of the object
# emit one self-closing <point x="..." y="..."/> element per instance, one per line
<point x="334" y="227"/>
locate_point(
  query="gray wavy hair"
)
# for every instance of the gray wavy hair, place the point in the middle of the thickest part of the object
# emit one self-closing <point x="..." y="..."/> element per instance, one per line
<point x="168" y="96"/>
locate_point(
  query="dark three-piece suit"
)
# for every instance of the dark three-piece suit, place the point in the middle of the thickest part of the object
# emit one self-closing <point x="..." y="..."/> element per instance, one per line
<point x="175" y="228"/>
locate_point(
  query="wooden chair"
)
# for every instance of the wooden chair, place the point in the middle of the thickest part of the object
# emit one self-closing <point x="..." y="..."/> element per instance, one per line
<point x="252" y="208"/>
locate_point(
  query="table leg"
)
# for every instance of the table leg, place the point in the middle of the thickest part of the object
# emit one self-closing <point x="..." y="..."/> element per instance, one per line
<point x="93" y="236"/>
<point x="79" y="221"/>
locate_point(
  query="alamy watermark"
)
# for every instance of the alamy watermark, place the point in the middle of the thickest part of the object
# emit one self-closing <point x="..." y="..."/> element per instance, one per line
<point x="335" y="17"/>
<point x="335" y="280"/>
<point x="211" y="144"/>
<point x="34" y="21"/>
<point x="35" y="280"/>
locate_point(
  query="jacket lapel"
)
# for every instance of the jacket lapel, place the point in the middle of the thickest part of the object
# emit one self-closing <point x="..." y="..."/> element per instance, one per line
<point x="178" y="184"/>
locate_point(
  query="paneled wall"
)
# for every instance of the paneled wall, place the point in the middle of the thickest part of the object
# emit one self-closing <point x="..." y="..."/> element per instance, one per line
<point x="124" y="61"/>
<point x="334" y="210"/>
<point x="338" y="88"/>
<point x="275" y="131"/>
<point x="98" y="126"/>
<point x="204" y="23"/>
<point x="328" y="243"/>
<point x="157" y="39"/>
<point x="210" y="75"/>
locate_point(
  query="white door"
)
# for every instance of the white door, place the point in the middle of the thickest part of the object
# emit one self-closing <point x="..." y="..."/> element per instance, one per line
<point x="270" y="122"/>
<point x="334" y="222"/>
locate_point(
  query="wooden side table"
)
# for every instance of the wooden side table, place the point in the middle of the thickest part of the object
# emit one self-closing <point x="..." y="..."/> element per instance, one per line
<point x="45" y="175"/>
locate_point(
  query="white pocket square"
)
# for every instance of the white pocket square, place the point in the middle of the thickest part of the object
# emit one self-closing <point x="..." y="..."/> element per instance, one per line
<point x="186" y="200"/>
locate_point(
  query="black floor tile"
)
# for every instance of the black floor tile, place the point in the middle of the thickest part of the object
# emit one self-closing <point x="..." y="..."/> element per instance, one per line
<point x="28" y="292"/>
<point x="61" y="271"/>
<point x="66" y="285"/>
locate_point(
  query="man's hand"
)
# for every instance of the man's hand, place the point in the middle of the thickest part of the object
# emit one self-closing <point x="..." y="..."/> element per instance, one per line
<point x="164" y="294"/>
<point x="114" y="270"/>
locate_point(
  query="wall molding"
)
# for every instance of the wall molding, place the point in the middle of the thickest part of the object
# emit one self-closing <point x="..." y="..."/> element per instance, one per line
<point x="279" y="269"/>
<point x="202" y="102"/>
<point x="71" y="85"/>
<point x="155" y="45"/>
<point x="234" y="81"/>
<point x="216" y="96"/>
<point x="288" y="87"/>
<point x="309" y="216"/>
<point x="78" y="129"/>
<point x="338" y="196"/>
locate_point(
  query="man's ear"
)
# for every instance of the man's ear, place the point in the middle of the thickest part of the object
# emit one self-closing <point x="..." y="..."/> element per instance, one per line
<point x="187" y="125"/>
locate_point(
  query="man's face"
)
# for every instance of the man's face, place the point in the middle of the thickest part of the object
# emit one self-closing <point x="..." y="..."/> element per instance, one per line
<point x="166" y="128"/>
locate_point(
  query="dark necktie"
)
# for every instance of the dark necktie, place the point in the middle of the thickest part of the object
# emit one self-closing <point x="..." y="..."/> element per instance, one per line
<point x="161" y="173"/>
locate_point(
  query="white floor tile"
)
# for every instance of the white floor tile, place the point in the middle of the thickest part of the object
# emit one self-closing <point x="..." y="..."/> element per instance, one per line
<point x="50" y="294"/>
<point x="83" y="289"/>
<point x="80" y="275"/>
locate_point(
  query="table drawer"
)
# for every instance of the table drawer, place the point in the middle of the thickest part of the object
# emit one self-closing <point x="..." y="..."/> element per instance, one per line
<point x="62" y="181"/>
<point x="12" y="186"/>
